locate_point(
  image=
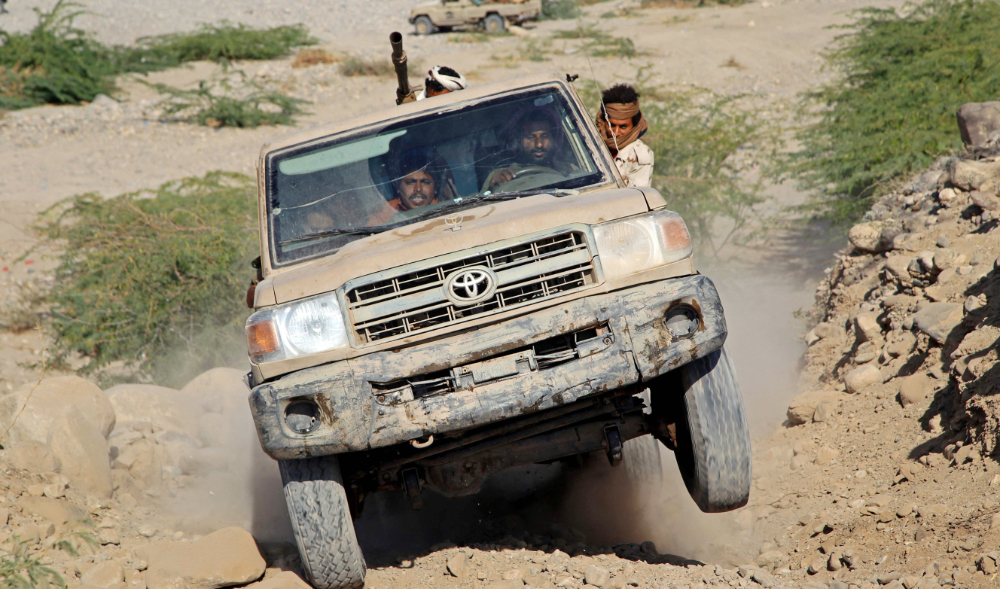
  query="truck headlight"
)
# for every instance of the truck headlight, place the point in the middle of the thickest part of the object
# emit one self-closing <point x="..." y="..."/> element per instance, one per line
<point x="641" y="242"/>
<point x="296" y="329"/>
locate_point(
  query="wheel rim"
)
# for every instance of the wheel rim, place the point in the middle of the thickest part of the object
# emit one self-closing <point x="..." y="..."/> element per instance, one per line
<point x="422" y="28"/>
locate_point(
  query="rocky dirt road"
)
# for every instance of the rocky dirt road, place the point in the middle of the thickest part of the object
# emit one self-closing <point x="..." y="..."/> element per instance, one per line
<point x="877" y="477"/>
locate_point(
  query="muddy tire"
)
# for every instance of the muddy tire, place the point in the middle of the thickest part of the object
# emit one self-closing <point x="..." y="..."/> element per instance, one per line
<point x="494" y="24"/>
<point x="423" y="25"/>
<point x="321" y="520"/>
<point x="713" y="442"/>
<point x="642" y="460"/>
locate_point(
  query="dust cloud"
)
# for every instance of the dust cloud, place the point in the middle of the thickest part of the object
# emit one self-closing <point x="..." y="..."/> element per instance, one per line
<point x="594" y="500"/>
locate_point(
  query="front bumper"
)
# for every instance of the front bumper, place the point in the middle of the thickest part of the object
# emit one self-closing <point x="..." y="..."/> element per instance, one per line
<point x="355" y="416"/>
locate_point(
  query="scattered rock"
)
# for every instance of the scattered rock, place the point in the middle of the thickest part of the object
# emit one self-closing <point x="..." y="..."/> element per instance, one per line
<point x="283" y="580"/>
<point x="803" y="407"/>
<point x="226" y="557"/>
<point x="861" y="378"/>
<point x="977" y="121"/>
<point x="595" y="575"/>
<point x="974" y="304"/>
<point x="870" y="237"/>
<point x="763" y="578"/>
<point x="826" y="455"/>
<point x="106" y="574"/>
<point x="938" y="320"/>
<point x="456" y="564"/>
<point x="914" y="389"/>
<point x="866" y="327"/>
<point x="985" y="200"/>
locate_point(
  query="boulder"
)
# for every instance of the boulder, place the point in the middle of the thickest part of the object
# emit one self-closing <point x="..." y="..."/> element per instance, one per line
<point x="33" y="456"/>
<point x="61" y="513"/>
<point x="219" y="390"/>
<point x="43" y="403"/>
<point x="105" y="575"/>
<point x="164" y="408"/>
<point x="873" y="237"/>
<point x="898" y="267"/>
<point x="142" y="460"/>
<point x="977" y="121"/>
<point x="947" y="258"/>
<point x="971" y="175"/>
<point x="938" y="320"/>
<point x="914" y="389"/>
<point x="82" y="452"/>
<point x="213" y="430"/>
<point x="283" y="580"/>
<point x="985" y="200"/>
<point x="226" y="557"/>
<point x="803" y="407"/>
<point x="862" y="377"/>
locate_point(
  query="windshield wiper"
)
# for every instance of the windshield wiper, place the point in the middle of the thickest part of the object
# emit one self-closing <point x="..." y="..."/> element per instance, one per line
<point x="493" y="196"/>
<point x="332" y="232"/>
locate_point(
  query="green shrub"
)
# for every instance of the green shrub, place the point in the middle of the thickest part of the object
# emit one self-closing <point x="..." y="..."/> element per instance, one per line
<point x="904" y="74"/>
<point x="55" y="63"/>
<point x="224" y="42"/>
<point x="560" y="10"/>
<point x="230" y="101"/>
<point x="368" y="66"/>
<point x="58" y="63"/>
<point x="150" y="284"/>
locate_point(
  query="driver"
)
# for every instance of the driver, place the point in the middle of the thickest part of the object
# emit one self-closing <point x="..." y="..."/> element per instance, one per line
<point x="420" y="178"/>
<point x="535" y="141"/>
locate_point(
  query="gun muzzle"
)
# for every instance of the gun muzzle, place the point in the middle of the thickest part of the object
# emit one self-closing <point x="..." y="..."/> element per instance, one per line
<point x="399" y="63"/>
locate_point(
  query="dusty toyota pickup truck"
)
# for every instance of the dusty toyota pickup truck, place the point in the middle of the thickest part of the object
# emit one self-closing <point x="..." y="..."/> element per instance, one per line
<point x="461" y="285"/>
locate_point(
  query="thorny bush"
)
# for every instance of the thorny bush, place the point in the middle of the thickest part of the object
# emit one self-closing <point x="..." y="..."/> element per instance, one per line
<point x="58" y="63"/>
<point x="149" y="283"/>
<point x="905" y="72"/>
<point x="230" y="100"/>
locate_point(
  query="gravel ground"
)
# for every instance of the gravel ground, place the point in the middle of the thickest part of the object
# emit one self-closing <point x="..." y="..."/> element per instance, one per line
<point x="124" y="21"/>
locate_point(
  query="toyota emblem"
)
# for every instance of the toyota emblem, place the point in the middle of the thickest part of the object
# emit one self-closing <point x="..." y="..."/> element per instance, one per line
<point x="470" y="285"/>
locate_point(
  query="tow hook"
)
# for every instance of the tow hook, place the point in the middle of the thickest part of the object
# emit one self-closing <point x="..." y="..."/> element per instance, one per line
<point x="613" y="440"/>
<point x="411" y="483"/>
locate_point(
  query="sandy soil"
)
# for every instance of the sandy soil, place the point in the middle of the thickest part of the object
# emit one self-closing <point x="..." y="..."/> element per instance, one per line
<point x="830" y="487"/>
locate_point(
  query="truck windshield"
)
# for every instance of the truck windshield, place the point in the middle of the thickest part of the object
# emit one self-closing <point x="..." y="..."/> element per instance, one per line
<point x="323" y="195"/>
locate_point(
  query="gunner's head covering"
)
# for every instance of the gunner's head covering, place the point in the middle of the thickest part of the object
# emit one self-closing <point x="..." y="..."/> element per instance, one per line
<point x="447" y="78"/>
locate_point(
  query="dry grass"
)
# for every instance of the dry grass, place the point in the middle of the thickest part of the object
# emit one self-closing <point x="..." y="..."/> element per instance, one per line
<point x="366" y="66"/>
<point x="311" y="57"/>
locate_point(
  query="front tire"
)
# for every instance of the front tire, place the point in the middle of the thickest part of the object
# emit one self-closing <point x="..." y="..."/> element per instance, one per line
<point x="423" y="25"/>
<point x="713" y="437"/>
<point x="494" y="24"/>
<point x="321" y="520"/>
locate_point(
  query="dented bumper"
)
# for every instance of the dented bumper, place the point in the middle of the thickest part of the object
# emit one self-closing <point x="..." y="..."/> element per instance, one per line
<point x="613" y="340"/>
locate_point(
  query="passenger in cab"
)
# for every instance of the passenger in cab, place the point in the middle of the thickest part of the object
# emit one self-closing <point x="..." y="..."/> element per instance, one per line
<point x="420" y="177"/>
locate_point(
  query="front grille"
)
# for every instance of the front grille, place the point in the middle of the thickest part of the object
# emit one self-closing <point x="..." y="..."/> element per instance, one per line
<point x="527" y="272"/>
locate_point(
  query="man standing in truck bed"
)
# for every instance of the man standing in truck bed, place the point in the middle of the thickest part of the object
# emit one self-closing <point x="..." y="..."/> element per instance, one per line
<point x="621" y="125"/>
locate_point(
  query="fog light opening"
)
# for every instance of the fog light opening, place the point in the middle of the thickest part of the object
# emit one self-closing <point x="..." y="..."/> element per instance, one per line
<point x="302" y="417"/>
<point x="682" y="322"/>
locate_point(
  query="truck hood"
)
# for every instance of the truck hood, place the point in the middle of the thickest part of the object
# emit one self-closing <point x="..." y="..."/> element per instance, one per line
<point x="438" y="236"/>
